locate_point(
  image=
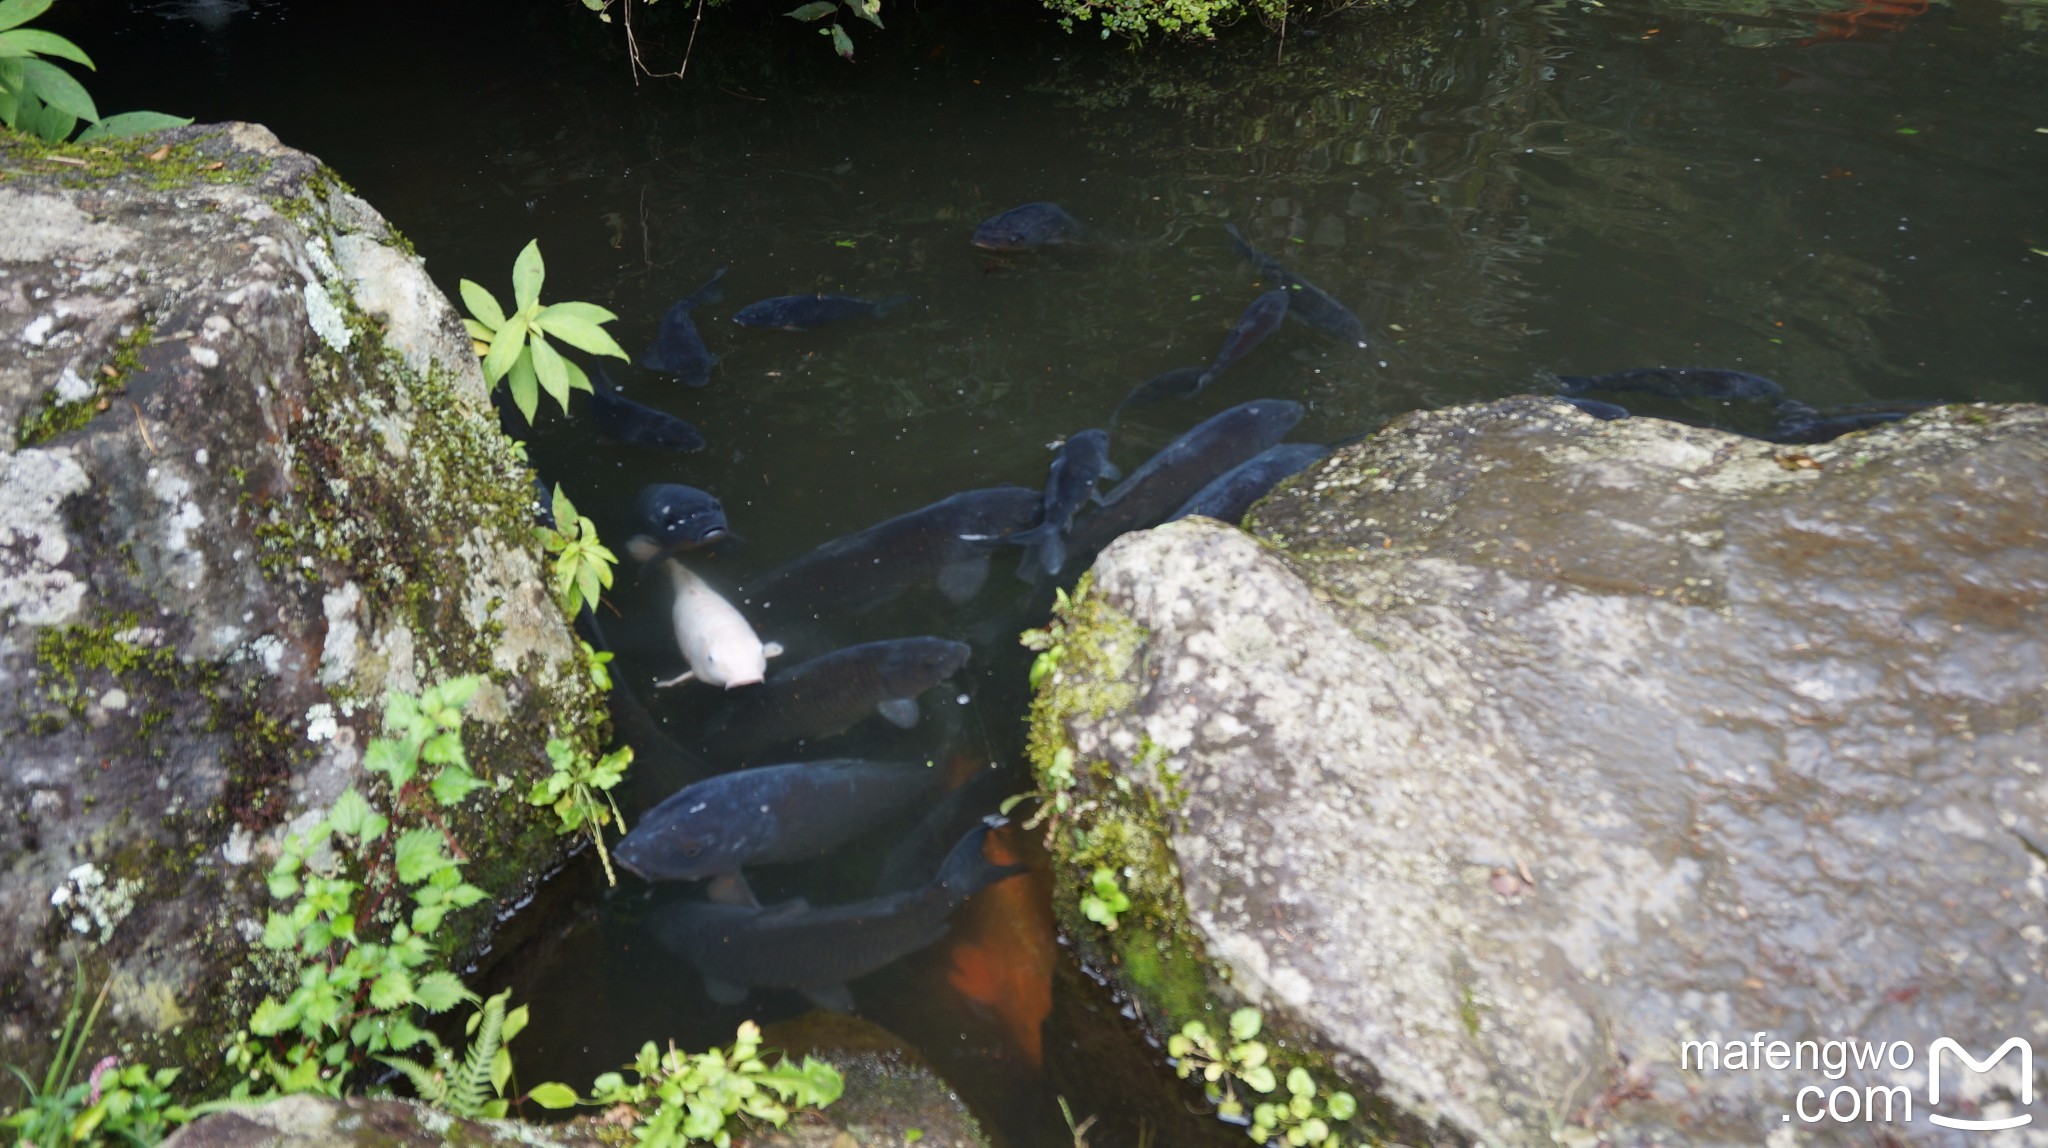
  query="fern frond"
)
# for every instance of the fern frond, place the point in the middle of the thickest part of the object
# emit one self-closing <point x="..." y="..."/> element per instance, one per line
<point x="428" y="1083"/>
<point x="469" y="1087"/>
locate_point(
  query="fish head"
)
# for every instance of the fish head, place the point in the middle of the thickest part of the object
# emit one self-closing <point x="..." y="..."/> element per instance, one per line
<point x="735" y="664"/>
<point x="1032" y="225"/>
<point x="915" y="665"/>
<point x="688" y="846"/>
<point x="680" y="517"/>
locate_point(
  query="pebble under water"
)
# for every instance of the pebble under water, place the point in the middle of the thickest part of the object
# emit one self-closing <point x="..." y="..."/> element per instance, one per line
<point x="1839" y="196"/>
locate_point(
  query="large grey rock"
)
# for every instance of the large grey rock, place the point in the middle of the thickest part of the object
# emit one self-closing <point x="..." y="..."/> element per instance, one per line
<point x="1511" y="749"/>
<point x="251" y="480"/>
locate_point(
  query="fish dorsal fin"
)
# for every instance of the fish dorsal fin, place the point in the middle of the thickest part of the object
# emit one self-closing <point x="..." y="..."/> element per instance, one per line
<point x="724" y="992"/>
<point x="1110" y="472"/>
<point x="833" y="998"/>
<point x="900" y="712"/>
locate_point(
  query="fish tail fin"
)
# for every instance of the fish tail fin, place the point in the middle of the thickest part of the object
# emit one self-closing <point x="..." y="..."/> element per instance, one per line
<point x="967" y="870"/>
<point x="711" y="292"/>
<point x="1045" y="553"/>
<point x="884" y="306"/>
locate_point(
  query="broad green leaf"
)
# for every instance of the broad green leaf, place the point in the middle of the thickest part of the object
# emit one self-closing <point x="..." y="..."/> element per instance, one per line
<point x="1300" y="1083"/>
<point x="131" y="124"/>
<point x="525" y="387"/>
<point x="506" y="347"/>
<point x="477" y="330"/>
<point x="578" y="381"/>
<point x="7" y="104"/>
<point x="869" y="10"/>
<point x="501" y="1069"/>
<point x="272" y="1018"/>
<point x="554" y="374"/>
<point x="841" y="42"/>
<point x="588" y="312"/>
<point x="1245" y="1024"/>
<point x="55" y="87"/>
<point x="527" y="273"/>
<point x="23" y="41"/>
<point x="14" y="13"/>
<point x="565" y="513"/>
<point x="1343" y="1105"/>
<point x="456" y="692"/>
<point x="444" y="748"/>
<point x="390" y="758"/>
<point x="278" y="933"/>
<point x="391" y="990"/>
<point x="515" y="1023"/>
<point x="579" y="333"/>
<point x="441" y="991"/>
<point x="454" y="783"/>
<point x="482" y="304"/>
<point x="1260" y="1078"/>
<point x="420" y="853"/>
<point x="554" y="1095"/>
<point x="53" y="124"/>
<point x="350" y="812"/>
<point x="816" y="10"/>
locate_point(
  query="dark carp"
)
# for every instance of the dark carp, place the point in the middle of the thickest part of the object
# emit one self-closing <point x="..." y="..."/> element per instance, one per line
<point x="1675" y="383"/>
<point x="677" y="348"/>
<point x="1306" y="302"/>
<point x="1606" y="412"/>
<point x="623" y="420"/>
<point x="803" y="312"/>
<point x="817" y="950"/>
<point x="768" y="815"/>
<point x="1083" y="461"/>
<point x="1187" y="464"/>
<point x="1029" y="225"/>
<point x="1181" y="383"/>
<point x="1259" y="320"/>
<point x="1230" y="494"/>
<point x="1800" y="423"/>
<point x="946" y="544"/>
<point x="828" y="694"/>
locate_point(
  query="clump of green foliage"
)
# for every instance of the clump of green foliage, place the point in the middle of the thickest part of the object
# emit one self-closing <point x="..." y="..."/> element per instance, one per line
<point x="869" y="10"/>
<point x="1135" y="19"/>
<point x="682" y="1098"/>
<point x="583" y="565"/>
<point x="579" y="791"/>
<point x="1303" y="1118"/>
<point x="1105" y="901"/>
<point x="44" y="100"/>
<point x="115" y="1102"/>
<point x="365" y="965"/>
<point x="473" y="1084"/>
<point x="515" y="347"/>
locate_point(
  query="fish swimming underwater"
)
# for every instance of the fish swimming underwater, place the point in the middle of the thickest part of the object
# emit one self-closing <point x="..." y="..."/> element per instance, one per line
<point x="1800" y="423"/>
<point x="1230" y="494"/>
<point x="1185" y="466"/>
<point x="716" y="640"/>
<point x="816" y="951"/>
<point x="1006" y="944"/>
<point x="947" y="544"/>
<point x="1083" y="461"/>
<point x="1305" y="301"/>
<point x="1029" y="225"/>
<point x="669" y="518"/>
<point x="677" y="348"/>
<point x="803" y="312"/>
<point x="623" y="420"/>
<point x="1259" y="320"/>
<point x="1675" y="383"/>
<point x="1176" y="384"/>
<point x="829" y="694"/>
<point x="768" y="815"/>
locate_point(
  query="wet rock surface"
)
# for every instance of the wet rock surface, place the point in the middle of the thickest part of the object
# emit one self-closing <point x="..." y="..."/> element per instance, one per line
<point x="251" y="480"/>
<point x="1510" y="749"/>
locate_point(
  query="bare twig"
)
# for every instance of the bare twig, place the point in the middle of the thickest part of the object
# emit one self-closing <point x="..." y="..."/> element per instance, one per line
<point x="143" y="426"/>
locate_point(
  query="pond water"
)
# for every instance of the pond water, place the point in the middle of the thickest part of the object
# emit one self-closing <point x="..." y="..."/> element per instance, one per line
<point x="1844" y="195"/>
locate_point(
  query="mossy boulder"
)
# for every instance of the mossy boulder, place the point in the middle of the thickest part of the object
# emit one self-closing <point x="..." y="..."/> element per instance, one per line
<point x="1506" y="751"/>
<point x="251" y="480"/>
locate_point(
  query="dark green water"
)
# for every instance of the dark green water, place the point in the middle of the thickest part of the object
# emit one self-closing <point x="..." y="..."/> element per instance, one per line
<point x="1850" y="202"/>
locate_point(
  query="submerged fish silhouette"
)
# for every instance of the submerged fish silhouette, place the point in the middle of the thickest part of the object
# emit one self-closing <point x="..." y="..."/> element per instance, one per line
<point x="1259" y="320"/>
<point x="1230" y="494"/>
<point x="677" y="348"/>
<point x="623" y="420"/>
<point x="1029" y="225"/>
<point x="1675" y="383"/>
<point x="1305" y="301"/>
<point x="1184" y="467"/>
<point x="1003" y="959"/>
<point x="828" y="694"/>
<point x="803" y="312"/>
<point x="1083" y="461"/>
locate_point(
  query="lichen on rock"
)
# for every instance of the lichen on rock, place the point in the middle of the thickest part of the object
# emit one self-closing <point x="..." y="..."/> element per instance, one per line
<point x="255" y="481"/>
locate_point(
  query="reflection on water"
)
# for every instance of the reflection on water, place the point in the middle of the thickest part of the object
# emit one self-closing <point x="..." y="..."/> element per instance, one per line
<point x="1843" y="195"/>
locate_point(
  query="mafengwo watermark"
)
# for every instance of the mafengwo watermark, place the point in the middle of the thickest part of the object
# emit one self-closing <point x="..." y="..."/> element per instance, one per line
<point x="1987" y="1094"/>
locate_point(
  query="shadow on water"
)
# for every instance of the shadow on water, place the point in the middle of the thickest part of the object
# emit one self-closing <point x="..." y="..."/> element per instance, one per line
<point x="1840" y="194"/>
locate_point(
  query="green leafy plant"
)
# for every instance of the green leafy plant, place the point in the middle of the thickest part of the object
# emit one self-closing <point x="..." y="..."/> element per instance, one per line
<point x="42" y="99"/>
<point x="515" y="346"/>
<point x="358" y="990"/>
<point x="1303" y="1118"/>
<point x="682" y="1098"/>
<point x="1104" y="901"/>
<point x="474" y="1084"/>
<point x="579" y="790"/>
<point x="869" y="10"/>
<point x="1049" y="641"/>
<point x="128" y="1104"/>
<point x="583" y="566"/>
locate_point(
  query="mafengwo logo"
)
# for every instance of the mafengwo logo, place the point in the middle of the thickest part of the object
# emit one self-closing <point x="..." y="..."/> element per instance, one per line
<point x="1984" y="1089"/>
